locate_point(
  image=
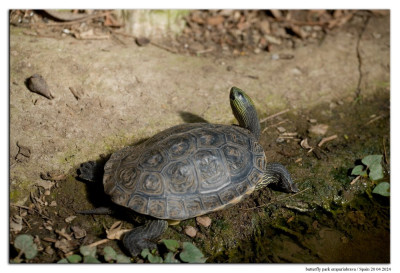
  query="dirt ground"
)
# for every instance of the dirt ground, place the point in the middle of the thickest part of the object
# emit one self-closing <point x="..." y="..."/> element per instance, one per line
<point x="127" y="93"/>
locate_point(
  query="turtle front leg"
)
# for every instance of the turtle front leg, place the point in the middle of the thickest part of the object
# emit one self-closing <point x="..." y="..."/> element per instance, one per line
<point x="144" y="236"/>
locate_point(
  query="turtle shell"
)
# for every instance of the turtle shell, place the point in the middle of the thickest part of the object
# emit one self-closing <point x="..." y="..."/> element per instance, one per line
<point x="186" y="171"/>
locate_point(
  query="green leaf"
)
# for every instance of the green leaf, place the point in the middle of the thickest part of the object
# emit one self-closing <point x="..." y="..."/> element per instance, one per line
<point x="122" y="259"/>
<point x="145" y="253"/>
<point x="24" y="242"/>
<point x="74" y="258"/>
<point x="88" y="250"/>
<point x="358" y="170"/>
<point x="155" y="259"/>
<point x="376" y="172"/>
<point x="90" y="260"/>
<point x="191" y="254"/>
<point x="172" y="245"/>
<point x="109" y="254"/>
<point x="63" y="261"/>
<point x="371" y="160"/>
<point x="382" y="188"/>
<point x="170" y="258"/>
<point x="152" y="258"/>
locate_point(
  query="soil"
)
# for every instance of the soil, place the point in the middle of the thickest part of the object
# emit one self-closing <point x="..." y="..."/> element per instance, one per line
<point x="112" y="93"/>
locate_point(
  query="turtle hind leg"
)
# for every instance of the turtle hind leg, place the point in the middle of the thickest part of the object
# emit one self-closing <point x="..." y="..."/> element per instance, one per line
<point x="144" y="236"/>
<point x="91" y="171"/>
<point x="277" y="177"/>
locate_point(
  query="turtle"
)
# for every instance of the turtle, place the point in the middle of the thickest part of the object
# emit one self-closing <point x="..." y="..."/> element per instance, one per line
<point x="190" y="170"/>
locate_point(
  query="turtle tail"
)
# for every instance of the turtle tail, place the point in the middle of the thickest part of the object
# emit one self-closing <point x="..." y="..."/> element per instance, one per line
<point x="277" y="177"/>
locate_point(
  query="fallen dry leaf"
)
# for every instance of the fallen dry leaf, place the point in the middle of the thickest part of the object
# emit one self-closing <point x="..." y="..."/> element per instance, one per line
<point x="78" y="232"/>
<point x="64" y="234"/>
<point x="115" y="232"/>
<point x="47" y="185"/>
<point x="16" y="223"/>
<point x="319" y="129"/>
<point x="304" y="144"/>
<point x="70" y="219"/>
<point x="65" y="245"/>
<point x="215" y="20"/>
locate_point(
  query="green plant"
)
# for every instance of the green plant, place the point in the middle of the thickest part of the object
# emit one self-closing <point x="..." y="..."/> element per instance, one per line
<point x="371" y="167"/>
<point x="24" y="243"/>
<point x="89" y="256"/>
<point x="177" y="253"/>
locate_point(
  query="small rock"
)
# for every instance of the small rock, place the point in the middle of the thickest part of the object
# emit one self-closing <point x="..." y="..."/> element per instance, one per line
<point x="204" y="221"/>
<point x="296" y="71"/>
<point x="275" y="57"/>
<point x="37" y="84"/>
<point x="281" y="129"/>
<point x="190" y="231"/>
<point x="142" y="41"/>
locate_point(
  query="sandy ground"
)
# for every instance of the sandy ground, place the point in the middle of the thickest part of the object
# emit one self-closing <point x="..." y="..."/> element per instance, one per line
<point x="129" y="93"/>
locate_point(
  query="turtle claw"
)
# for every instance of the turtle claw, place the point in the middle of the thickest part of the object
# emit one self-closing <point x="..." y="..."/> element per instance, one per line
<point x="144" y="236"/>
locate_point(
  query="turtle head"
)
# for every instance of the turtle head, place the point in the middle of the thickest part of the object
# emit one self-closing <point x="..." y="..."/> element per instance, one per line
<point x="244" y="111"/>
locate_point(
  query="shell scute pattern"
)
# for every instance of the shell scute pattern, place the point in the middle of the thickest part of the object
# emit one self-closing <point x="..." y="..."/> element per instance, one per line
<point x="138" y="203"/>
<point x="180" y="178"/>
<point x="186" y="171"/>
<point x="211" y="171"/>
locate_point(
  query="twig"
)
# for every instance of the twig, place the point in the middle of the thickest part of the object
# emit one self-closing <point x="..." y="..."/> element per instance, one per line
<point x="355" y="180"/>
<point x="278" y="200"/>
<point x="273" y="125"/>
<point x="384" y="151"/>
<point x="374" y="119"/>
<point x="103" y="241"/>
<point x="35" y="210"/>
<point x="275" y="115"/>
<point x="326" y="139"/>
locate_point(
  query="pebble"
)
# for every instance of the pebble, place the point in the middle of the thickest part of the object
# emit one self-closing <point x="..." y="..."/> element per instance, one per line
<point x="204" y="221"/>
<point x="37" y="84"/>
<point x="281" y="129"/>
<point x="190" y="231"/>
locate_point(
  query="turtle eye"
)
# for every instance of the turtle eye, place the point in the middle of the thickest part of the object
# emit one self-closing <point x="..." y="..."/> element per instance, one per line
<point x="232" y="96"/>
